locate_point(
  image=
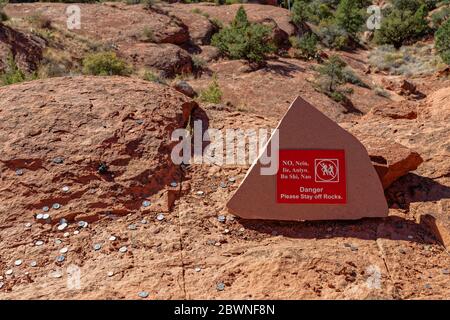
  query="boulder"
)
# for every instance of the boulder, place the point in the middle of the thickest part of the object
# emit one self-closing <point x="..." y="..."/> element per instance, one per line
<point x="184" y="87"/>
<point x="168" y="58"/>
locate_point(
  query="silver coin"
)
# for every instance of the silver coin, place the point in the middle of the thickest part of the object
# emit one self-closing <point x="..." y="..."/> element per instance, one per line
<point x="143" y="294"/>
<point x="97" y="246"/>
<point x="143" y="221"/>
<point x="65" y="189"/>
<point x="58" y="160"/>
<point x="40" y="216"/>
<point x="18" y="262"/>
<point x="200" y="193"/>
<point x="66" y="234"/>
<point x="123" y="249"/>
<point x="33" y="264"/>
<point x="223" y="185"/>
<point x="62" y="226"/>
<point x="232" y="179"/>
<point x="1" y="285"/>
<point x="19" y="172"/>
<point x="112" y="238"/>
<point x="45" y="216"/>
<point x="9" y="272"/>
<point x="198" y="269"/>
<point x="58" y="241"/>
<point x="45" y="209"/>
<point x="173" y="184"/>
<point x="226" y="231"/>
<point x="82" y="224"/>
<point x="56" y="206"/>
<point x="39" y="243"/>
<point x="160" y="217"/>
<point x="60" y="258"/>
<point x="220" y="286"/>
<point x="110" y="273"/>
<point x="221" y="218"/>
<point x="76" y="232"/>
<point x="28" y="225"/>
<point x="132" y="227"/>
<point x="64" y="250"/>
<point x="146" y="203"/>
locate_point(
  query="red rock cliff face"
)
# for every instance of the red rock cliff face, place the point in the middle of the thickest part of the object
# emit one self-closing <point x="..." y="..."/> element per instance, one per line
<point x="58" y="132"/>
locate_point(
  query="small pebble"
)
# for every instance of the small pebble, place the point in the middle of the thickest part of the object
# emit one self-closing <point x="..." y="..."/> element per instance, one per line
<point x="160" y="217"/>
<point x="110" y="273"/>
<point x="58" y="241"/>
<point x="56" y="274"/>
<point x="200" y="193"/>
<point x="1" y="285"/>
<point x="76" y="232"/>
<point x="223" y="185"/>
<point x="143" y="221"/>
<point x="18" y="262"/>
<point x="66" y="234"/>
<point x="45" y="209"/>
<point x="64" y="250"/>
<point x="198" y="269"/>
<point x="60" y="258"/>
<point x="62" y="226"/>
<point x="232" y="179"/>
<point x="19" y="172"/>
<point x="33" y="264"/>
<point x="410" y="237"/>
<point x="39" y="243"/>
<point x="97" y="246"/>
<point x="112" y="238"/>
<point x="146" y="203"/>
<point x="226" y="231"/>
<point x="28" y="225"/>
<point x="143" y="294"/>
<point x="9" y="272"/>
<point x="65" y="189"/>
<point x="428" y="286"/>
<point x="56" y="206"/>
<point x="445" y="271"/>
<point x="220" y="286"/>
<point x="123" y="249"/>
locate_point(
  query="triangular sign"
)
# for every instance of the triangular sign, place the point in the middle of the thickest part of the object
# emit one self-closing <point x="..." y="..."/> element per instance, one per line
<point x="323" y="173"/>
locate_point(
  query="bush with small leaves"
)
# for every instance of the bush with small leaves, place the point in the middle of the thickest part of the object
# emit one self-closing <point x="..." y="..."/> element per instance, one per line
<point x="12" y="73"/>
<point x="3" y="16"/>
<point x="306" y="46"/>
<point x="442" y="42"/>
<point x="105" y="64"/>
<point x="213" y="93"/>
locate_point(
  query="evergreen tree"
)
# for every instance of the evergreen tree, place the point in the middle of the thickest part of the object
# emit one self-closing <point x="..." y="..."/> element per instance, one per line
<point x="442" y="41"/>
<point x="349" y="16"/>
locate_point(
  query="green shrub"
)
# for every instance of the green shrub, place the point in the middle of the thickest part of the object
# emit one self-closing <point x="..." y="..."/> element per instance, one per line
<point x="306" y="46"/>
<point x="402" y="26"/>
<point x="12" y="74"/>
<point x="153" y="77"/>
<point x="442" y="41"/>
<point x="334" y="36"/>
<point x="349" y="16"/>
<point x="198" y="62"/>
<point x="351" y="77"/>
<point x="3" y="16"/>
<point x="440" y="16"/>
<point x="148" y="35"/>
<point x="213" y="93"/>
<point x="244" y="40"/>
<point x="299" y="12"/>
<point x="332" y="73"/>
<point x="37" y="20"/>
<point x="105" y="64"/>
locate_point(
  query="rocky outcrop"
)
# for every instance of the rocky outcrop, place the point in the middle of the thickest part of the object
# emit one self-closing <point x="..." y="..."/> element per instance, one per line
<point x="94" y="145"/>
<point x="25" y="49"/>
<point x="168" y="58"/>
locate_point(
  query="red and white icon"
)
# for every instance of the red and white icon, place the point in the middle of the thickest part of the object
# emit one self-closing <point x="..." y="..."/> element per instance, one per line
<point x="326" y="170"/>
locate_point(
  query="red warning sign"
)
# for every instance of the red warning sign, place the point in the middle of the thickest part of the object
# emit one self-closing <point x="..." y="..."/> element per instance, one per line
<point x="311" y="176"/>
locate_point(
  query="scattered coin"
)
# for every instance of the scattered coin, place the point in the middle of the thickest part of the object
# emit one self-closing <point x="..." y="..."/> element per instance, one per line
<point x="143" y="221"/>
<point x="1" y="285"/>
<point x="173" y="184"/>
<point x="9" y="272"/>
<point x="200" y="193"/>
<point x="39" y="216"/>
<point x="58" y="241"/>
<point x="217" y="244"/>
<point x="97" y="246"/>
<point x="221" y="218"/>
<point x="220" y="286"/>
<point x="45" y="216"/>
<point x="19" y="172"/>
<point x="226" y="231"/>
<point x="123" y="249"/>
<point x="45" y="209"/>
<point x="60" y="258"/>
<point x="18" y="262"/>
<point x="39" y="243"/>
<point x="33" y="264"/>
<point x="232" y="179"/>
<point x="110" y="273"/>
<point x="198" y="269"/>
<point x="160" y="217"/>
<point x="65" y="189"/>
<point x="223" y="185"/>
<point x="64" y="250"/>
<point x="143" y="294"/>
<point x="66" y="234"/>
<point x="146" y="203"/>
<point x="112" y="238"/>
<point x="56" y="274"/>
<point x="76" y="232"/>
<point x="28" y="225"/>
<point x="82" y="224"/>
<point x="62" y="226"/>
<point x="56" y="206"/>
<point x="132" y="227"/>
<point x="58" y="160"/>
